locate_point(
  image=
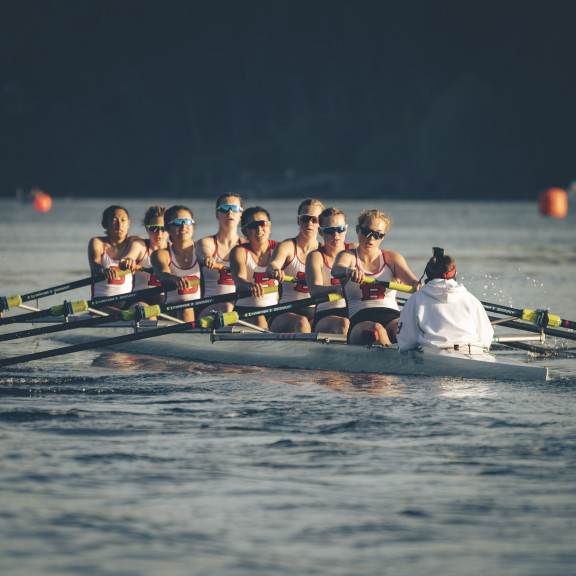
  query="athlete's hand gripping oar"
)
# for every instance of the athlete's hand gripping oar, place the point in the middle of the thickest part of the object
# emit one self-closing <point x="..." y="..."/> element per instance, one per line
<point x="202" y="323"/>
<point x="538" y="317"/>
<point x="390" y="285"/>
<point x="7" y="302"/>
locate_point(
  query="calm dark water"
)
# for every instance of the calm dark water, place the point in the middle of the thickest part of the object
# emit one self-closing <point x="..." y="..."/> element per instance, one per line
<point x="115" y="464"/>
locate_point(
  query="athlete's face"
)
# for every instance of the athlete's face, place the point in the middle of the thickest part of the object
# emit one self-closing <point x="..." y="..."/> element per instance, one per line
<point x="226" y="214"/>
<point x="182" y="231"/>
<point x="156" y="230"/>
<point x="330" y="233"/>
<point x="257" y="228"/>
<point x="308" y="220"/>
<point x="367" y="232"/>
<point x="118" y="224"/>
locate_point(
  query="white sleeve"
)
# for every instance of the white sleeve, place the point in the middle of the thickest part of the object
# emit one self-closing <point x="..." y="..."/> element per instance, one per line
<point x="408" y="328"/>
<point x="483" y="326"/>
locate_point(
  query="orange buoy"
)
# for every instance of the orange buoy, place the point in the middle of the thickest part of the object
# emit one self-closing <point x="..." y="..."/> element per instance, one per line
<point x="43" y="202"/>
<point x="553" y="202"/>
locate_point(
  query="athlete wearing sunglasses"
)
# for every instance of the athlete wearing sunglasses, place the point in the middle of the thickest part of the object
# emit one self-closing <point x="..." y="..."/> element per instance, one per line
<point x="248" y="263"/>
<point x="372" y="308"/>
<point x="176" y="266"/>
<point x="289" y="259"/>
<point x="137" y="258"/>
<point x="330" y="317"/>
<point x="214" y="252"/>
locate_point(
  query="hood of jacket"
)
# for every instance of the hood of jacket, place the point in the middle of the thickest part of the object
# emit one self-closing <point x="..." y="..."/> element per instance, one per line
<point x="444" y="290"/>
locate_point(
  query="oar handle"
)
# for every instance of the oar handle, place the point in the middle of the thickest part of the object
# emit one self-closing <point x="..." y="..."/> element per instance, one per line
<point x="391" y="285"/>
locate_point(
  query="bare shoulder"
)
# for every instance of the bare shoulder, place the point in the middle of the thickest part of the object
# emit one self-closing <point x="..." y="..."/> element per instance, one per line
<point x="314" y="258"/>
<point x="206" y="243"/>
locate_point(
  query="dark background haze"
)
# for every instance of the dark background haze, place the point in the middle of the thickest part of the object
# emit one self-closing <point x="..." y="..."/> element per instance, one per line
<point x="423" y="98"/>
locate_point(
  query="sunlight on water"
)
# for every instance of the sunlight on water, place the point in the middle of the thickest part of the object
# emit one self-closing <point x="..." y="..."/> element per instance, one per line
<point x="123" y="464"/>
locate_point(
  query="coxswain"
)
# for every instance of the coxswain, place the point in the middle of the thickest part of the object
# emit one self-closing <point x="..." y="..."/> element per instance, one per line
<point x="443" y="314"/>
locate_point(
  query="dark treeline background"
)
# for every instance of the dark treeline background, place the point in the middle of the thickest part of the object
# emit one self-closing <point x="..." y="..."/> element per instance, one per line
<point x="432" y="98"/>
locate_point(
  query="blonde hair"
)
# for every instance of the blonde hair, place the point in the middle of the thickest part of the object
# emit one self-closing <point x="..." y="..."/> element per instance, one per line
<point x="368" y="214"/>
<point x="327" y="212"/>
<point x="309" y="202"/>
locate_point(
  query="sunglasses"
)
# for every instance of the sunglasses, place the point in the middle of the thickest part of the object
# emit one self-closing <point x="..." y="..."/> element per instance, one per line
<point x="256" y="224"/>
<point x="333" y="229"/>
<point x="154" y="228"/>
<point x="306" y="219"/>
<point x="228" y="207"/>
<point x="180" y="221"/>
<point x="371" y="233"/>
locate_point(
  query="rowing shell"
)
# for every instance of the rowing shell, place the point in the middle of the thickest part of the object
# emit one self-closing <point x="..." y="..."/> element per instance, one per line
<point x="319" y="352"/>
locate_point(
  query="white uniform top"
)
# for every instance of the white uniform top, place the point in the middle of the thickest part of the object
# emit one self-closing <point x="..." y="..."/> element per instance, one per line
<point x="291" y="291"/>
<point x="362" y="296"/>
<point x="144" y="280"/>
<point x="257" y="275"/>
<point x="216" y="282"/>
<point x="120" y="285"/>
<point x="327" y="280"/>
<point x="192" y="273"/>
<point x="442" y="314"/>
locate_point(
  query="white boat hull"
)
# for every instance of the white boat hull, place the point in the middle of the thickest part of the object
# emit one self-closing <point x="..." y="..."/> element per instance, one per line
<point x="322" y="355"/>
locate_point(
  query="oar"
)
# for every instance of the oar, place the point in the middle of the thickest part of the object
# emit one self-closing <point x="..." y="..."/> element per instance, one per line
<point x="530" y="328"/>
<point x="533" y="316"/>
<point x="127" y="315"/>
<point x="7" y="302"/>
<point x="83" y="305"/>
<point x="202" y="323"/>
<point x="390" y="285"/>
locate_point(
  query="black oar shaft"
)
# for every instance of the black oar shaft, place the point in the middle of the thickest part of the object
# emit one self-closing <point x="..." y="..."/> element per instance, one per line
<point x="535" y="329"/>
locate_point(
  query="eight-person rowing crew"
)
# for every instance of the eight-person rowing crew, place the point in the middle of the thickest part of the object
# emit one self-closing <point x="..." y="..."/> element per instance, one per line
<point x="442" y="315"/>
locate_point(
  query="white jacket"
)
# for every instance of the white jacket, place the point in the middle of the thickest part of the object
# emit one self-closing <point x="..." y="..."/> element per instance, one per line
<point x="442" y="314"/>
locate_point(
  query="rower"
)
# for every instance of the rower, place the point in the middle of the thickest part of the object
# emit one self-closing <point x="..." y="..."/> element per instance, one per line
<point x="289" y="258"/>
<point x="443" y="314"/>
<point x="105" y="252"/>
<point x="214" y="252"/>
<point x="177" y="265"/>
<point x="330" y="317"/>
<point x="137" y="257"/>
<point x="248" y="263"/>
<point x="372" y="306"/>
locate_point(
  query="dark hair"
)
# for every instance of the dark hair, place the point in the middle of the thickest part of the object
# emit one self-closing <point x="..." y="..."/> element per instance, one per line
<point x="228" y="195"/>
<point x="332" y="211"/>
<point x="109" y="213"/>
<point x="440" y="266"/>
<point x="153" y="211"/>
<point x="249" y="212"/>
<point x="172" y="211"/>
